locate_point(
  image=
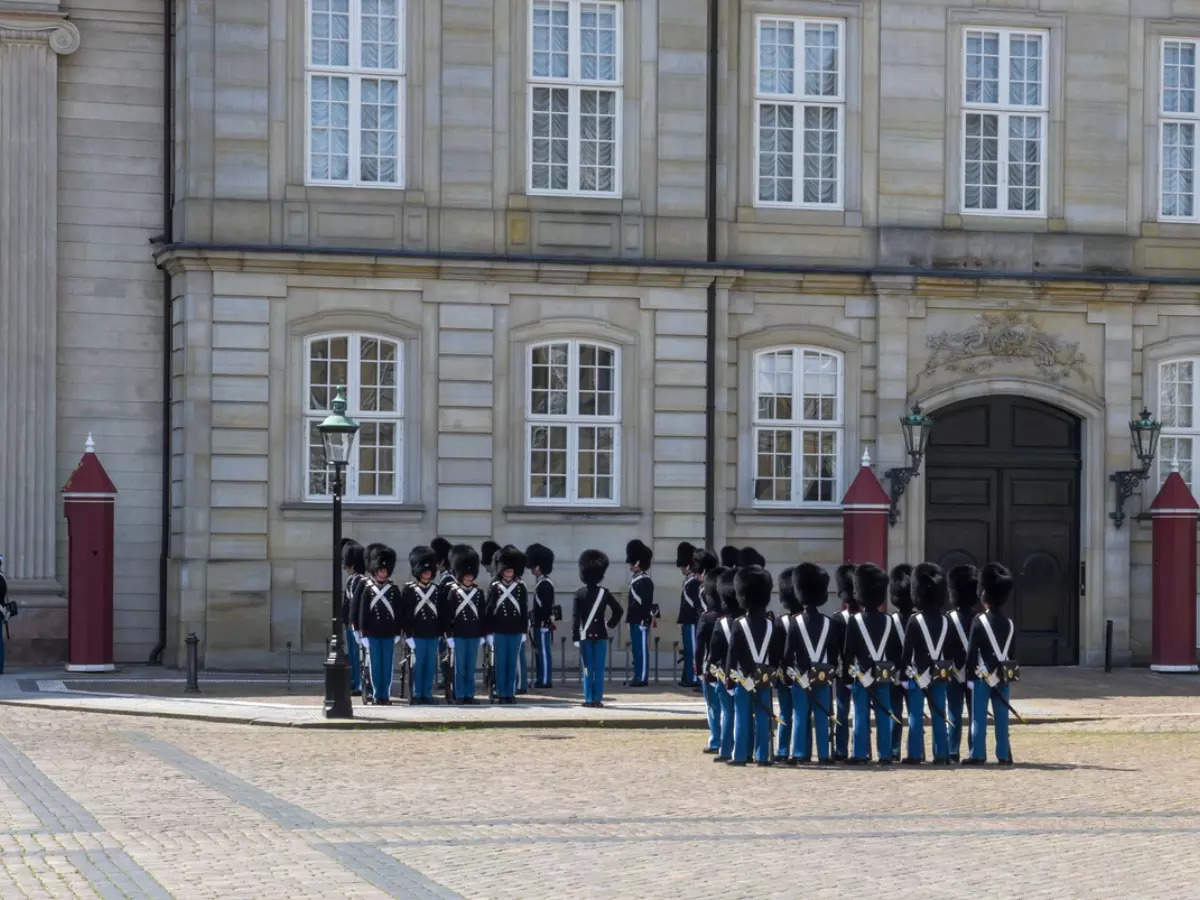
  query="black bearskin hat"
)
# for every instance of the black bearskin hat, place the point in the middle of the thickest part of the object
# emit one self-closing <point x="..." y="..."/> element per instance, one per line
<point x="637" y="552"/>
<point x="753" y="586"/>
<point x="811" y="583"/>
<point x="748" y="556"/>
<point x="354" y="557"/>
<point x="787" y="593"/>
<point x="539" y="556"/>
<point x="464" y="561"/>
<point x="929" y="587"/>
<point x="703" y="561"/>
<point x="729" y="557"/>
<point x="964" y="586"/>
<point x="510" y="557"/>
<point x="728" y="592"/>
<point x="845" y="585"/>
<point x="900" y="588"/>
<point x="684" y="554"/>
<point x="592" y="566"/>
<point x="441" y="549"/>
<point x="712" y="586"/>
<point x="487" y="552"/>
<point x="997" y="584"/>
<point x="381" y="556"/>
<point x="870" y="586"/>
<point x="422" y="559"/>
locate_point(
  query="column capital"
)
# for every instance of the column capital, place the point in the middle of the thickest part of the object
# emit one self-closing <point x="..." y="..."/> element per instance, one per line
<point x="31" y="27"/>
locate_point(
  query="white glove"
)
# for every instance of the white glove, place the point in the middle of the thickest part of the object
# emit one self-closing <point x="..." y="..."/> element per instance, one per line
<point x="412" y="645"/>
<point x="395" y="640"/>
<point x="577" y="645"/>
<point x="359" y="639"/>
<point x="523" y="640"/>
<point x="450" y="643"/>
<point x="491" y="640"/>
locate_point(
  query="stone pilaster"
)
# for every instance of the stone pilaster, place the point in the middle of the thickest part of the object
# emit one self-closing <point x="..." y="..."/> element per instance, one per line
<point x="31" y="40"/>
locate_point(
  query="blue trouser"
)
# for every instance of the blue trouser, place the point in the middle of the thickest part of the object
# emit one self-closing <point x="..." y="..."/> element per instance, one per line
<point x="641" y="660"/>
<point x="351" y="654"/>
<point x="380" y="654"/>
<point x="424" y="667"/>
<point x="466" y="653"/>
<point x="841" y="733"/>
<point x="807" y="717"/>
<point x="899" y="696"/>
<point x="862" y="721"/>
<point x="783" y="743"/>
<point x="916" y="721"/>
<point x="689" y="654"/>
<point x="508" y="648"/>
<point x="594" y="654"/>
<point x="956" y="695"/>
<point x="980" y="697"/>
<point x="544" y="663"/>
<point x="726" y="701"/>
<point x="751" y="724"/>
<point x="712" y="706"/>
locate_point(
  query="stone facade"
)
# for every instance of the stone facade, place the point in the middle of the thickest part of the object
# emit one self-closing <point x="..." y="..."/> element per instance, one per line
<point x="464" y="267"/>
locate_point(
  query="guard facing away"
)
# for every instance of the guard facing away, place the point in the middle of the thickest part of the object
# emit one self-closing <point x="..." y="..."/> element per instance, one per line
<point x="991" y="663"/>
<point x="354" y="567"/>
<point x="791" y="606"/>
<point x="704" y="661"/>
<point x="964" y="594"/>
<point x="755" y="651"/>
<point x="901" y="592"/>
<point x="718" y="657"/>
<point x="422" y="622"/>
<point x="808" y="663"/>
<point x="361" y="650"/>
<point x="729" y="556"/>
<point x="507" y="619"/>
<point x="640" y="614"/>
<point x="487" y="556"/>
<point x="378" y="608"/>
<point x="837" y="643"/>
<point x="925" y="666"/>
<point x="541" y="563"/>
<point x="689" y="613"/>
<point x="588" y="626"/>
<point x="462" y="611"/>
<point x="872" y="650"/>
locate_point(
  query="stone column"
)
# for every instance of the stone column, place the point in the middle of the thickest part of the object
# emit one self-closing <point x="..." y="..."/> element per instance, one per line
<point x="32" y="38"/>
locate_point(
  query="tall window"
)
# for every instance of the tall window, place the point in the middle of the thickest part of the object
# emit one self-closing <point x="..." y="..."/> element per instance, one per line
<point x="1004" y="121"/>
<point x="800" y="113"/>
<point x="356" y="92"/>
<point x="798" y="423"/>
<point x="1180" y="436"/>
<point x="575" y="97"/>
<point x="573" y="425"/>
<point x="1177" y="130"/>
<point x="369" y="368"/>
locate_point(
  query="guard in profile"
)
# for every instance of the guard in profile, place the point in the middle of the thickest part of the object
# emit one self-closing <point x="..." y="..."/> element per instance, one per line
<point x="354" y="567"/>
<point x="901" y="592"/>
<point x="791" y="607"/>
<point x="640" y="614"/>
<point x="991" y="662"/>
<point x="837" y="643"/>
<point x="588" y="626"/>
<point x="543" y="614"/>
<point x="8" y="609"/>
<point x="718" y="656"/>
<point x="713" y="685"/>
<point x="689" y="611"/>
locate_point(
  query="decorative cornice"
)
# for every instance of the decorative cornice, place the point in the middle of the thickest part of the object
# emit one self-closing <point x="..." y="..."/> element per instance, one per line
<point x="38" y="28"/>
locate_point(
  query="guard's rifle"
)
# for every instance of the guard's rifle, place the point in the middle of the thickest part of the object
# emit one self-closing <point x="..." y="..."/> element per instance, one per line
<point x="762" y="675"/>
<point x="489" y="671"/>
<point x="1007" y="673"/>
<point x="805" y="680"/>
<point x="447" y="662"/>
<point x="941" y="672"/>
<point x="882" y="673"/>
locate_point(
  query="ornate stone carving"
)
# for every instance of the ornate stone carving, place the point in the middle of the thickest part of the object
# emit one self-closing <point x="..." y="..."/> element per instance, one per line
<point x="30" y="28"/>
<point x="1004" y="336"/>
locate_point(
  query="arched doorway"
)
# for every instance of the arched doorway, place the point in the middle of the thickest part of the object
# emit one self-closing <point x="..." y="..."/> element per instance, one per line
<point x="1003" y="479"/>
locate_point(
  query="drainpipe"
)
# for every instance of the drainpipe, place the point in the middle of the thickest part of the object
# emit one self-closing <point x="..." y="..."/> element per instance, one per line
<point x="710" y="349"/>
<point x="168" y="235"/>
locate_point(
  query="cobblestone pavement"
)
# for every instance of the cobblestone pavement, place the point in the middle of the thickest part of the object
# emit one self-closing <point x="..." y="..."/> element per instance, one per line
<point x="115" y="806"/>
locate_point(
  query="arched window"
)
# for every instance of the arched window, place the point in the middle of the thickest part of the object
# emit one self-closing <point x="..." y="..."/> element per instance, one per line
<point x="798" y="423"/>
<point x="572" y="423"/>
<point x="1177" y="412"/>
<point x="369" y="367"/>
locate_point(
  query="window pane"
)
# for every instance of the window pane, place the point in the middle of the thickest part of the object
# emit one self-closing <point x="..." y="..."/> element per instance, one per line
<point x="821" y="59"/>
<point x="821" y="154"/>
<point x="548" y="461"/>
<point x="551" y="39"/>
<point x="776" y="57"/>
<point x="329" y="131"/>
<point x="775" y="385"/>
<point x="1176" y="399"/>
<point x="1024" y="162"/>
<point x="820" y="386"/>
<point x="819" y="465"/>
<point x="377" y="454"/>
<point x="549" y="150"/>
<point x="776" y="137"/>
<point x="379" y="134"/>
<point x="596" y="368"/>
<point x="981" y="174"/>
<point x="597" y="141"/>
<point x="598" y="41"/>
<point x="318" y="476"/>
<point x="1179" y="76"/>
<point x="330" y="39"/>
<point x="595" y="452"/>
<point x="982" y="67"/>
<point x="1175" y="452"/>
<point x="326" y="371"/>
<point x="1178" y="169"/>
<point x="774" y="465"/>
<point x="548" y="380"/>
<point x="1025" y="69"/>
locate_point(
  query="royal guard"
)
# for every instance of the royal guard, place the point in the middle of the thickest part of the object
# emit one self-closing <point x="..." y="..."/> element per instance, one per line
<point x="991" y="655"/>
<point x="462" y="610"/>
<point x="837" y="641"/>
<point x="873" y="651"/>
<point x="541" y="563"/>
<point x="900" y="590"/>
<point x="925" y="667"/>
<point x="487" y="555"/>
<point x="689" y="613"/>
<point x="423" y="622"/>
<point x="7" y="610"/>
<point x="791" y="606"/>
<point x="354" y="567"/>
<point x="588" y="626"/>
<point x="809" y="665"/>
<point x="507" y="619"/>
<point x="748" y="556"/>
<point x="704" y="660"/>
<point x="963" y="582"/>
<point x="755" y="652"/>
<point x="718" y="656"/>
<point x="729" y="556"/>
<point x="379" y="619"/>
<point x="640" y="614"/>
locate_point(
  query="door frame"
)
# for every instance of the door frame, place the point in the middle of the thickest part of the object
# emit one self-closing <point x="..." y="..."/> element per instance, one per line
<point x="1103" y="551"/>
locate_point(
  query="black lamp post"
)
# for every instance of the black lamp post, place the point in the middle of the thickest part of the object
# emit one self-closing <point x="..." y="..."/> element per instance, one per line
<point x="916" y="427"/>
<point x="337" y="434"/>
<point x="1144" y="433"/>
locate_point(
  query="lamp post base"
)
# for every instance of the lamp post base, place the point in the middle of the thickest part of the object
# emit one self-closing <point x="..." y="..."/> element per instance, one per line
<point x="337" y="684"/>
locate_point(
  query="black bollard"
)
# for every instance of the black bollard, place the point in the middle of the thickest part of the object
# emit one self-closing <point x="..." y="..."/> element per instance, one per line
<point x="1108" y="627"/>
<point x="193" y="643"/>
<point x="656" y="659"/>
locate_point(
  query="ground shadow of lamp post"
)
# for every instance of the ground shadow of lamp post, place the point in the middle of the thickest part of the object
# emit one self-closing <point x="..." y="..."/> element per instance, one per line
<point x="916" y="427"/>
<point x="337" y="435"/>
<point x="1144" y="433"/>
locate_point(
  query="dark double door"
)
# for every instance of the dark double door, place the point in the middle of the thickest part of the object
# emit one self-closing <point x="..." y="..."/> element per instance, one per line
<point x="1003" y="485"/>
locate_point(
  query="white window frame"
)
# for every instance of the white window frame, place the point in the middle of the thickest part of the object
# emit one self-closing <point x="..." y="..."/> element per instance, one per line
<point x="1004" y="110"/>
<point x="799" y="101"/>
<point x="356" y="73"/>
<point x="1162" y="462"/>
<point x="574" y="83"/>
<point x="1177" y="117"/>
<point x="798" y="424"/>
<point x="353" y="409"/>
<point x="572" y="420"/>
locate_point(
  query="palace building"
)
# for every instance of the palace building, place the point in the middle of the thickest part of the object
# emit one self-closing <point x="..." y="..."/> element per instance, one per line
<point x="591" y="270"/>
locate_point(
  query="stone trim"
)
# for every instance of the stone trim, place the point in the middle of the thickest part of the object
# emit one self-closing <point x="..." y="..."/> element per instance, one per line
<point x="39" y="28"/>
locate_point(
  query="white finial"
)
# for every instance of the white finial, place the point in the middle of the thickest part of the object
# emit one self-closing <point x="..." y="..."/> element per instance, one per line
<point x="866" y="457"/>
<point x="90" y="445"/>
<point x="1175" y="464"/>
